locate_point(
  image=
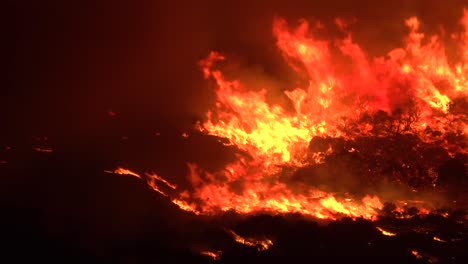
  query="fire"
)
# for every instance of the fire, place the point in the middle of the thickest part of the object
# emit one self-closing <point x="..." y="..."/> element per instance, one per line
<point x="123" y="171"/>
<point x="273" y="136"/>
<point x="268" y="131"/>
<point x="385" y="232"/>
<point x="415" y="84"/>
<point x="152" y="181"/>
<point x="439" y="239"/>
<point x="416" y="253"/>
<point x="260" y="244"/>
<point x="212" y="255"/>
<point x="154" y="177"/>
<point x="279" y="137"/>
<point x="185" y="206"/>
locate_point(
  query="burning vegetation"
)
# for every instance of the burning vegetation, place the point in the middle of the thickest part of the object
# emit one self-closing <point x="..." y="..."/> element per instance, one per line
<point x="365" y="131"/>
<point x="366" y="138"/>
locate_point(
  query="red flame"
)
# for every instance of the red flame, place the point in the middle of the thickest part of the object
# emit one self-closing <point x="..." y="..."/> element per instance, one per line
<point x="417" y="76"/>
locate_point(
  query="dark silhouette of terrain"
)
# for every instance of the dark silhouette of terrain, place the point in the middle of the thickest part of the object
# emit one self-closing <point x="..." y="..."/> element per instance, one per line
<point x="62" y="207"/>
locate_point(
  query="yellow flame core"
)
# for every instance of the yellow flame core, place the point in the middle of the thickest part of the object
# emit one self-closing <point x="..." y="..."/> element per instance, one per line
<point x="385" y="232"/>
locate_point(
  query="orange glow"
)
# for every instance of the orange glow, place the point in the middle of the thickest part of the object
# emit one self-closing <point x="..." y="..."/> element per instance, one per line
<point x="155" y="177"/>
<point x="270" y="132"/>
<point x="185" y="206"/>
<point x="152" y="180"/>
<point x="123" y="171"/>
<point x="385" y="232"/>
<point x="439" y="240"/>
<point x="260" y="244"/>
<point x="212" y="255"/>
<point x="415" y="253"/>
<point x="274" y="137"/>
<point x="416" y="79"/>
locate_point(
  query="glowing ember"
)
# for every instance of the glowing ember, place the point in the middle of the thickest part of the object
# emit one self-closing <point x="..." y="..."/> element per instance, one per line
<point x="439" y="240"/>
<point x="123" y="171"/>
<point x="260" y="244"/>
<point x="415" y="253"/>
<point x="212" y="255"/>
<point x="386" y="233"/>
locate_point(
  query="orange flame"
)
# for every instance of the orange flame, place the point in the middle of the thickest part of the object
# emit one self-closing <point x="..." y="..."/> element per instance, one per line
<point x="385" y="232"/>
<point x="260" y="244"/>
<point x="275" y="137"/>
<point x="416" y="253"/>
<point x="417" y="74"/>
<point x="151" y="179"/>
<point x="123" y="171"/>
<point x="213" y="255"/>
<point x="439" y="239"/>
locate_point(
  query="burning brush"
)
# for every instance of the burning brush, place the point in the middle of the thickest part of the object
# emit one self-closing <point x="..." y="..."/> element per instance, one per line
<point x="367" y="138"/>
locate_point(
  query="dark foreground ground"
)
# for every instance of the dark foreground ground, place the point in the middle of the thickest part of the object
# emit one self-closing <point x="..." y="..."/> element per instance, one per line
<point x="60" y="207"/>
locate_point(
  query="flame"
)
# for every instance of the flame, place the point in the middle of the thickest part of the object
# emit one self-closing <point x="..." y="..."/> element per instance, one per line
<point x="154" y="177"/>
<point x="439" y="239"/>
<point x="260" y="244"/>
<point x="416" y="253"/>
<point x="415" y="84"/>
<point x="185" y="206"/>
<point x="385" y="232"/>
<point x="151" y="180"/>
<point x="213" y="255"/>
<point x="274" y="197"/>
<point x="279" y="137"/>
<point x="123" y="171"/>
<point x="274" y="137"/>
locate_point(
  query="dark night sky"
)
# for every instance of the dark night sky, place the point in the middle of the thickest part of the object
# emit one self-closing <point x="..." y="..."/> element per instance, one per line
<point x="70" y="62"/>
